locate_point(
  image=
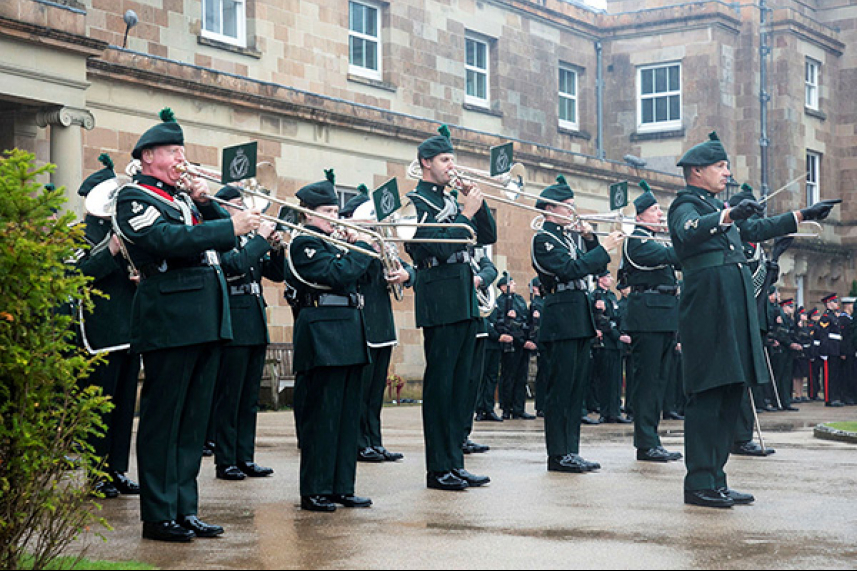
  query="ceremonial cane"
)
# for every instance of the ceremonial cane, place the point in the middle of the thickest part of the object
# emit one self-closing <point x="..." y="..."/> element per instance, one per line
<point x="773" y="379"/>
<point x="756" y="418"/>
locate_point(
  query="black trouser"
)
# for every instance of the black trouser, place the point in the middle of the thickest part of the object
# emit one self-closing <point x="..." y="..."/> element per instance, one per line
<point x="488" y="387"/>
<point x="628" y="367"/>
<point x="475" y="381"/>
<point x="607" y="381"/>
<point x="513" y="380"/>
<point x="567" y="364"/>
<point x="591" y="403"/>
<point x="849" y="376"/>
<point x="815" y="378"/>
<point x="237" y="403"/>
<point x="831" y="371"/>
<point x="329" y="429"/>
<point x="674" y="398"/>
<point x="374" y="381"/>
<point x="449" y="351"/>
<point x="745" y="422"/>
<point x="117" y="376"/>
<point x="652" y="354"/>
<point x="709" y="431"/>
<point x="541" y="382"/>
<point x="174" y="407"/>
<point x="781" y="363"/>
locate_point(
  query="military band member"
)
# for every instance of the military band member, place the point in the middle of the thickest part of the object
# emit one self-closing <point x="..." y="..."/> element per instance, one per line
<point x="651" y="321"/>
<point x="567" y="326"/>
<point x="446" y="309"/>
<point x="849" y="351"/>
<point x="374" y="286"/>
<point x="330" y="351"/>
<point x="107" y="330"/>
<point x="625" y="347"/>
<point x="179" y="319"/>
<point x="815" y="376"/>
<point x="829" y="335"/>
<point x="718" y="319"/>
<point x="242" y="360"/>
<point x="606" y="372"/>
<point x="485" y="402"/>
<point x="510" y="320"/>
<point x="537" y="304"/>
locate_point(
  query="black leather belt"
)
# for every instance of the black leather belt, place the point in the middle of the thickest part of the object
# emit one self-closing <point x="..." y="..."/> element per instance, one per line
<point x="578" y="285"/>
<point x="460" y="257"/>
<point x="661" y="289"/>
<point x="252" y="288"/>
<point x="169" y="265"/>
<point x="332" y="300"/>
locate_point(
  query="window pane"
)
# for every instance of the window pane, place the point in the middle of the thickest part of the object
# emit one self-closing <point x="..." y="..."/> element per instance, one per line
<point x="675" y="78"/>
<point x="371" y="21"/>
<point x="647" y="78"/>
<point x="648" y="111"/>
<point x="661" y="109"/>
<point x="675" y="108"/>
<point x="212" y="15"/>
<point x="357" y="17"/>
<point x="661" y="79"/>
<point x="482" y="88"/>
<point x="470" y="52"/>
<point x="371" y="56"/>
<point x="230" y="18"/>
<point x="482" y="55"/>
<point x="357" y="52"/>
<point x="471" y="83"/>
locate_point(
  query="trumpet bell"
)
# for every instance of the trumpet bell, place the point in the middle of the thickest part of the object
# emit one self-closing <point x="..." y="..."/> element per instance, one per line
<point x="101" y="200"/>
<point x="404" y="215"/>
<point x="365" y="211"/>
<point x="515" y="184"/>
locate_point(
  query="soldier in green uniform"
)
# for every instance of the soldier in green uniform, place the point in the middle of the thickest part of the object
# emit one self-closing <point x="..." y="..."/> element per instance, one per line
<point x="374" y="285"/>
<point x="718" y="320"/>
<point x="179" y="319"/>
<point x="510" y="320"/>
<point x="446" y="309"/>
<point x="537" y="305"/>
<point x="607" y="375"/>
<point x="242" y="360"/>
<point x="567" y="327"/>
<point x="652" y="321"/>
<point x="107" y="330"/>
<point x="330" y="351"/>
<point x="485" y="401"/>
<point x="484" y="274"/>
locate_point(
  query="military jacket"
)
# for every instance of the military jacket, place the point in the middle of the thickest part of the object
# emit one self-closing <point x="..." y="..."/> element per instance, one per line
<point x="378" y="308"/>
<point x="849" y="342"/>
<point x="108" y="326"/>
<point x="245" y="266"/>
<point x="537" y="306"/>
<point x="649" y="266"/>
<point x="516" y="326"/>
<point x="829" y="335"/>
<point x="182" y="298"/>
<point x="443" y="290"/>
<point x="607" y="320"/>
<point x="558" y="260"/>
<point x="778" y="328"/>
<point x="327" y="335"/>
<point x="717" y="304"/>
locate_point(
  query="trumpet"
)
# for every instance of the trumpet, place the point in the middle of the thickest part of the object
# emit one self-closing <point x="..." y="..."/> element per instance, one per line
<point x="512" y="182"/>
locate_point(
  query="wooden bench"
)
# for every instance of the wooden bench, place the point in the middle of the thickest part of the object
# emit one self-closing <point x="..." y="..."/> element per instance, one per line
<point x="277" y="378"/>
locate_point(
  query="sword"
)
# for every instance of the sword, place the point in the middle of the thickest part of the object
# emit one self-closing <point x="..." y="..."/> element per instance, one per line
<point x="773" y="379"/>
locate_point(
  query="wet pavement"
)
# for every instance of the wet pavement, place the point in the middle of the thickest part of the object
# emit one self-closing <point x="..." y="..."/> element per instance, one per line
<point x="628" y="515"/>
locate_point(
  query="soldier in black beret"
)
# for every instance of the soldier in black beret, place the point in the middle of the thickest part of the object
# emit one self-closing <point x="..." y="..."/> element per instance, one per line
<point x="510" y="319"/>
<point x="849" y="352"/>
<point x="829" y="335"/>
<point x="446" y="309"/>
<point x="180" y="317"/>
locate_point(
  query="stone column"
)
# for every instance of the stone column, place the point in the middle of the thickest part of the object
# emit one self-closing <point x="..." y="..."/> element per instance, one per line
<point x="67" y="148"/>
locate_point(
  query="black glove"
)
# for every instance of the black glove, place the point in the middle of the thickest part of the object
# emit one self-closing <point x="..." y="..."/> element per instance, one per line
<point x="745" y="209"/>
<point x="820" y="210"/>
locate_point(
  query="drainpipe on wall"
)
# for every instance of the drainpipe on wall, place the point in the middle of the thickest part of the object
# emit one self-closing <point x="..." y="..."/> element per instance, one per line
<point x="599" y="96"/>
<point x="764" y="96"/>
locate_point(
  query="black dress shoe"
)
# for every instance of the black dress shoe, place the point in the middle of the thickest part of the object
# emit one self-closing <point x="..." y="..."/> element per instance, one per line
<point x="750" y="449"/>
<point x="445" y="481"/>
<point x="351" y="501"/>
<point x="473" y="447"/>
<point x="124" y="484"/>
<point x="737" y="497"/>
<point x="388" y="456"/>
<point x="657" y="454"/>
<point x="492" y="416"/>
<point x="507" y="415"/>
<point x="472" y="480"/>
<point x="673" y="456"/>
<point x="585" y="464"/>
<point x="105" y="489"/>
<point x="481" y="416"/>
<point x="199" y="527"/>
<point x="540" y="414"/>
<point x="790" y="407"/>
<point x="770" y="408"/>
<point x="524" y="416"/>
<point x="208" y="448"/>
<point x="232" y="473"/>
<point x="369" y="454"/>
<point x="708" y="499"/>
<point x="253" y="470"/>
<point x="317" y="504"/>
<point x="166" y="531"/>
<point x="565" y="464"/>
<point x="672" y="415"/>
<point x="835" y="403"/>
<point x="605" y="420"/>
<point x="588" y="420"/>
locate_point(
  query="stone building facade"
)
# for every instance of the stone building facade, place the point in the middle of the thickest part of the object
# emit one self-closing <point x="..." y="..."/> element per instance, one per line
<point x="356" y="85"/>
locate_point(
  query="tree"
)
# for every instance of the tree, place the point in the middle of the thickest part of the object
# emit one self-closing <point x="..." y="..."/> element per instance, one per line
<point x="46" y="412"/>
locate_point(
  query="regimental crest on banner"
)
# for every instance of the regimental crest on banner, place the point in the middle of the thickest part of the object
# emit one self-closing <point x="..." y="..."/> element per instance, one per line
<point x="239" y="162"/>
<point x="501" y="159"/>
<point x="618" y="195"/>
<point x="386" y="198"/>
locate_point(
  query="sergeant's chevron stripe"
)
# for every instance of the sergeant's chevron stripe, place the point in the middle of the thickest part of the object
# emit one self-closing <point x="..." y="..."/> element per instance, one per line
<point x="145" y="220"/>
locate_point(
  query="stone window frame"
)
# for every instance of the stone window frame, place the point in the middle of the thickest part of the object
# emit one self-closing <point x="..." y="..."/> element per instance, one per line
<point x="358" y="70"/>
<point x="813" y="177"/>
<point x="657" y="126"/>
<point x="564" y="124"/>
<point x="240" y="40"/>
<point x="812" y="84"/>
<point x="472" y="100"/>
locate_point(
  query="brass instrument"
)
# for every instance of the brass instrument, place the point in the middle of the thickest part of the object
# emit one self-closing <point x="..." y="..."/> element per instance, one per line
<point x="391" y="259"/>
<point x="404" y="225"/>
<point x="485" y="294"/>
<point x="512" y="182"/>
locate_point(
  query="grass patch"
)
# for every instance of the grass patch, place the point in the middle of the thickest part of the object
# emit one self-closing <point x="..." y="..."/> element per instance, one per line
<point x="844" y="426"/>
<point x="95" y="565"/>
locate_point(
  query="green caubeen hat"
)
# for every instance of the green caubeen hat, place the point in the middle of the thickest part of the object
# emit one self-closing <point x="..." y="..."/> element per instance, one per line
<point x="98" y="177"/>
<point x="436" y="145"/>
<point x="704" y="154"/>
<point x="168" y="132"/>
<point x="321" y="193"/>
<point x="645" y="200"/>
<point x="361" y="197"/>
<point x="560" y="191"/>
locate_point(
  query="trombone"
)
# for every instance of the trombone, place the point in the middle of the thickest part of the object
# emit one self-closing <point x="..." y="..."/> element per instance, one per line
<point x="405" y="226"/>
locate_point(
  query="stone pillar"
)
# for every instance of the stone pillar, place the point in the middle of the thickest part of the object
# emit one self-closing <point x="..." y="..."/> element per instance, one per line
<point x="67" y="148"/>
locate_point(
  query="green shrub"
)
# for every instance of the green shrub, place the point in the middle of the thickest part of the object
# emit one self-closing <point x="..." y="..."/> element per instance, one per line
<point x="46" y="467"/>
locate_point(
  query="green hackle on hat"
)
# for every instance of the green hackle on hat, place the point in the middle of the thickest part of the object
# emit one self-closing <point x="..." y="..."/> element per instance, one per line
<point x="167" y="115"/>
<point x="645" y="186"/>
<point x="444" y="131"/>
<point x="105" y="160"/>
<point x="363" y="189"/>
<point x="330" y="176"/>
